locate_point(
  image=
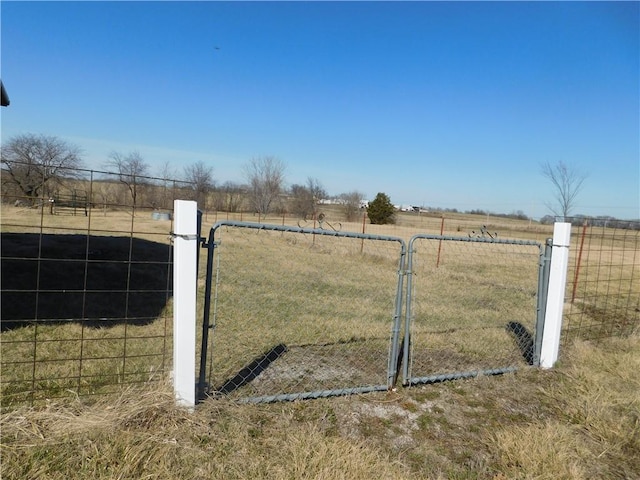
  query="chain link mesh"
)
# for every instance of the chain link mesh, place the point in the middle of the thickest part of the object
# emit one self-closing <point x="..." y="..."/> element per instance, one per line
<point x="293" y="313"/>
<point x="473" y="306"/>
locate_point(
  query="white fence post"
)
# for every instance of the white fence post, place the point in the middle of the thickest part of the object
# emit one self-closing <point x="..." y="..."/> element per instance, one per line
<point x="185" y="245"/>
<point x="555" y="296"/>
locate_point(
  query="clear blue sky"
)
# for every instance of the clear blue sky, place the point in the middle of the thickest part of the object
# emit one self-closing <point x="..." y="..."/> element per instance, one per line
<point x="442" y="104"/>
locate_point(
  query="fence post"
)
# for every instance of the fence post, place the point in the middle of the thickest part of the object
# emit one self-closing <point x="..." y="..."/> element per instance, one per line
<point x="555" y="296"/>
<point x="440" y="242"/>
<point x="185" y="249"/>
<point x="541" y="306"/>
<point x="575" y="278"/>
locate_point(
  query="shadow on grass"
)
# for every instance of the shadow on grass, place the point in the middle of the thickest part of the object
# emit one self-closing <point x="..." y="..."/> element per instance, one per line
<point x="524" y="340"/>
<point x="252" y="370"/>
<point x="99" y="281"/>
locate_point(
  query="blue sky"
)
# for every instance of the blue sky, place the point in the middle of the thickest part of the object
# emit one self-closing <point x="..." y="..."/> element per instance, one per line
<point x="446" y="104"/>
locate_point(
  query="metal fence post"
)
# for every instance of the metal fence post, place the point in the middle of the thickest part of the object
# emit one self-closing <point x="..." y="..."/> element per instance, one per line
<point x="555" y="296"/>
<point x="408" y="311"/>
<point x="202" y="387"/>
<point x="200" y="239"/>
<point x="394" y="354"/>
<point x="543" y="288"/>
<point x="184" y="301"/>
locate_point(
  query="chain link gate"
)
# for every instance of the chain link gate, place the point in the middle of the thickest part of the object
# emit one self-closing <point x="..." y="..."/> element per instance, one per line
<point x="293" y="313"/>
<point x="473" y="306"/>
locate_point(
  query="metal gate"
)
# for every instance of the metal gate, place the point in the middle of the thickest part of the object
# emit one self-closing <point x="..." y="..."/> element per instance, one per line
<point x="292" y="312"/>
<point x="473" y="306"/>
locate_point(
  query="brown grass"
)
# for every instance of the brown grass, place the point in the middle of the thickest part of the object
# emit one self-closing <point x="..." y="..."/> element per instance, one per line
<point x="595" y="430"/>
<point x="576" y="422"/>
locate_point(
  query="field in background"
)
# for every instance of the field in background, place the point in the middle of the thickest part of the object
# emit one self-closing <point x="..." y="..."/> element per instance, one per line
<point x="407" y="223"/>
<point x="603" y="281"/>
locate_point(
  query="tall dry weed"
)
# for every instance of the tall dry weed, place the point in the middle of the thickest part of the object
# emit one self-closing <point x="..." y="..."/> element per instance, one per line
<point x="596" y="430"/>
<point x="142" y="434"/>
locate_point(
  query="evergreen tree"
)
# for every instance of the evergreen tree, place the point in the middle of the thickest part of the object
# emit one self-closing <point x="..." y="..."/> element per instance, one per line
<point x="381" y="210"/>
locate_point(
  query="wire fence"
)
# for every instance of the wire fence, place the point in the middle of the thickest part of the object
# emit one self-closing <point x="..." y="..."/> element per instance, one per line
<point x="86" y="302"/>
<point x="603" y="282"/>
<point x="86" y="284"/>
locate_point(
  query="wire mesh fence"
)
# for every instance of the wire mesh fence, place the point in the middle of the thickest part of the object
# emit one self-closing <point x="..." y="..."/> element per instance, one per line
<point x="472" y="306"/>
<point x="603" y="282"/>
<point x="86" y="285"/>
<point x="86" y="294"/>
<point x="301" y="313"/>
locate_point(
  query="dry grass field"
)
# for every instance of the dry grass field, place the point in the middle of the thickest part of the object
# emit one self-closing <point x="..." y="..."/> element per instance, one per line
<point x="580" y="420"/>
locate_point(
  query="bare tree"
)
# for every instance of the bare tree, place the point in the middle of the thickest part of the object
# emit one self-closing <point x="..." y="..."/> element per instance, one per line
<point x="567" y="183"/>
<point x="305" y="198"/>
<point x="131" y="170"/>
<point x="35" y="162"/>
<point x="229" y="197"/>
<point x="167" y="172"/>
<point x="166" y="183"/>
<point x="106" y="192"/>
<point x="351" y="202"/>
<point x="200" y="176"/>
<point x="265" y="176"/>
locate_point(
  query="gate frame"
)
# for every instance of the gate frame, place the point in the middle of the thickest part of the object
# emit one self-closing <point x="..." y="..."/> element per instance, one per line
<point x="202" y="387"/>
<point x="548" y="306"/>
<point x="543" y="281"/>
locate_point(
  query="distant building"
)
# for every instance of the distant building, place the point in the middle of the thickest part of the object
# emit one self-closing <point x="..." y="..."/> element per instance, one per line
<point x="407" y="208"/>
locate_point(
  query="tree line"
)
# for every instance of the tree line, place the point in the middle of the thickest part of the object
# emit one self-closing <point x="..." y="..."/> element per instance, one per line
<point x="40" y="167"/>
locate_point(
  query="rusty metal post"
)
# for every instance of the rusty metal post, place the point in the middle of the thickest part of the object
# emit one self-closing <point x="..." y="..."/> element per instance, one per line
<point x="440" y="242"/>
<point x="364" y="222"/>
<point x="579" y="261"/>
